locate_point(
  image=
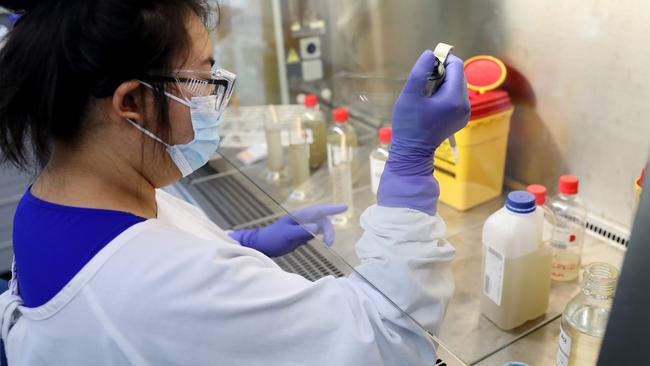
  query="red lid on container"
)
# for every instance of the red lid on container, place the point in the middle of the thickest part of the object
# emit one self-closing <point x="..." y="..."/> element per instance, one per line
<point x="340" y="115"/>
<point x="311" y="100"/>
<point x="385" y="135"/>
<point x="485" y="74"/>
<point x="642" y="177"/>
<point x="539" y="191"/>
<point x="568" y="184"/>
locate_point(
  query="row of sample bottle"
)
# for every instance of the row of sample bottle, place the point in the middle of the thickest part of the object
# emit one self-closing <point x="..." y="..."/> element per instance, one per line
<point x="525" y="245"/>
<point x="311" y="144"/>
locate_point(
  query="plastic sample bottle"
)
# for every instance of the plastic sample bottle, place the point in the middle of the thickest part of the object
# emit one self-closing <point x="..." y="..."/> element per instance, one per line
<point x="379" y="156"/>
<point x="539" y="191"/>
<point x="275" y="150"/>
<point x="343" y="127"/>
<point x="339" y="161"/>
<point x="313" y="121"/>
<point x="585" y="317"/>
<point x="569" y="230"/>
<point x="299" y="158"/>
<point x="516" y="265"/>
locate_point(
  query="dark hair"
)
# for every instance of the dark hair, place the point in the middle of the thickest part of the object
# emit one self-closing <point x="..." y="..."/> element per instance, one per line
<point x="63" y="53"/>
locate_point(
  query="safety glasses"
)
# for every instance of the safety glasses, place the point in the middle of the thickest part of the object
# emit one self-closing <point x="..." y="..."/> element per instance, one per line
<point x="199" y="83"/>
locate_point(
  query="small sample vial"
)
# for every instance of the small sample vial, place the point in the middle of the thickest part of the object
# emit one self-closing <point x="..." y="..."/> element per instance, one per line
<point x="584" y="320"/>
<point x="343" y="127"/>
<point x="379" y="156"/>
<point x="313" y="121"/>
<point x="568" y="233"/>
<point x="339" y="161"/>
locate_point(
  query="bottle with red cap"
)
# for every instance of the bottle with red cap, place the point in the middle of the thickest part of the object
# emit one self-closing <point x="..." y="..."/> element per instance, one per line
<point x="569" y="230"/>
<point x="379" y="156"/>
<point x="539" y="191"/>
<point x="341" y="151"/>
<point x="313" y="121"/>
<point x="341" y="131"/>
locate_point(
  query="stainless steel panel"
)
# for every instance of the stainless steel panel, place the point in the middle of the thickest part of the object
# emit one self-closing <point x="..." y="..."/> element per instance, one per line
<point x="578" y="78"/>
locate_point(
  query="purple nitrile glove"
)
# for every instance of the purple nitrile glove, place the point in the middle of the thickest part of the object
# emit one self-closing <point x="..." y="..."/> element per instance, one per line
<point x="286" y="234"/>
<point x="420" y="125"/>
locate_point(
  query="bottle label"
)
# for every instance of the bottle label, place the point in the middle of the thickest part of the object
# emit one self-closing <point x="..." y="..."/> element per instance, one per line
<point x="493" y="276"/>
<point x="297" y="137"/>
<point x="309" y="135"/>
<point x="376" y="169"/>
<point x="561" y="359"/>
<point x="285" y="138"/>
<point x="562" y="238"/>
<point x="565" y="342"/>
<point x="335" y="157"/>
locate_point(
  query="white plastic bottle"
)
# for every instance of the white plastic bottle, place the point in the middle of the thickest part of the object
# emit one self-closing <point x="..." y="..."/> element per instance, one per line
<point x="516" y="264"/>
<point x="379" y="156"/>
<point x="313" y="121"/>
<point x="584" y="319"/>
<point x="569" y="230"/>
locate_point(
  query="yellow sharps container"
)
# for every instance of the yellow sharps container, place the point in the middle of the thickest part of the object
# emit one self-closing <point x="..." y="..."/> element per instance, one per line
<point x="477" y="177"/>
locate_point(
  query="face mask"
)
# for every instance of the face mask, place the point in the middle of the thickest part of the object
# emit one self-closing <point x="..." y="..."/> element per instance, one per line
<point x="206" y="120"/>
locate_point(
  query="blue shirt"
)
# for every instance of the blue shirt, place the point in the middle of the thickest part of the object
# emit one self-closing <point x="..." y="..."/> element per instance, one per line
<point x="53" y="242"/>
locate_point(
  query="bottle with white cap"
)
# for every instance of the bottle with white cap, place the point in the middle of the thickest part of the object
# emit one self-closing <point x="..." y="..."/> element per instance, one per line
<point x="516" y="264"/>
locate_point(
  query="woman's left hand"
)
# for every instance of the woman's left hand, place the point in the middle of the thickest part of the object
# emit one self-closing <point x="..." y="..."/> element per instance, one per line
<point x="291" y="231"/>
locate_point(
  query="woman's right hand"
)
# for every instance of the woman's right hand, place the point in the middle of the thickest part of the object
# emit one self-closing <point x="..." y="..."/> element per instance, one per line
<point x="420" y="125"/>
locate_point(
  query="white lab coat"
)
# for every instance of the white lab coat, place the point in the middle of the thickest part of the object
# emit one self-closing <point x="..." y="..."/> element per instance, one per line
<point x="176" y="290"/>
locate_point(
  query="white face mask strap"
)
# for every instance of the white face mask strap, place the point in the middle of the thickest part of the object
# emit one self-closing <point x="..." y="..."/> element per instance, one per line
<point x="169" y="95"/>
<point x="147" y="132"/>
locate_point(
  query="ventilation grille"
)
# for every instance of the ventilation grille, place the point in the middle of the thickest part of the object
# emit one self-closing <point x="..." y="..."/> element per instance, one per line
<point x="226" y="200"/>
<point x="607" y="233"/>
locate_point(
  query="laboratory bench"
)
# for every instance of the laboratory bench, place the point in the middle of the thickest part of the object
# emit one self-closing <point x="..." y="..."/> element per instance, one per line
<point x="466" y="337"/>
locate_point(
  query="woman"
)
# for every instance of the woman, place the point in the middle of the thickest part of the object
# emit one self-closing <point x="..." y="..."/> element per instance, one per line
<point x="116" y="98"/>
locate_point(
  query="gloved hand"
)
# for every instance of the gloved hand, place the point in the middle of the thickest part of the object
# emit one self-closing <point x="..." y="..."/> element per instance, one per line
<point x="420" y="125"/>
<point x="285" y="235"/>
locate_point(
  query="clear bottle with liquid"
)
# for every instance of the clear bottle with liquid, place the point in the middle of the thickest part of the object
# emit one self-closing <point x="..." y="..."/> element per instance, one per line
<point x="313" y="121"/>
<point x="516" y="264"/>
<point x="379" y="156"/>
<point x="569" y="231"/>
<point x="343" y="127"/>
<point x="275" y="150"/>
<point x="584" y="320"/>
<point x="339" y="160"/>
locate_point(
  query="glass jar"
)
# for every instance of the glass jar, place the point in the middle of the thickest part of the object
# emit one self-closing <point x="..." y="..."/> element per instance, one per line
<point x="585" y="317"/>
